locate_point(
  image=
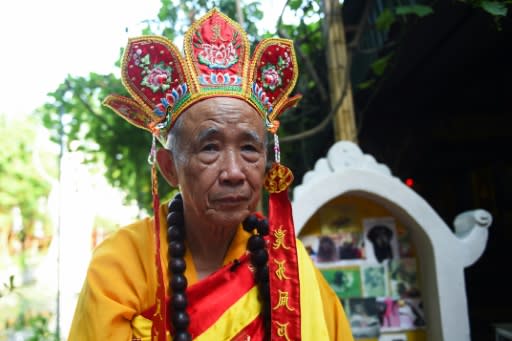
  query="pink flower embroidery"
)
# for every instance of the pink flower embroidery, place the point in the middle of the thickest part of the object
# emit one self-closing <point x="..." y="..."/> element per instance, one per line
<point x="159" y="77"/>
<point x="219" y="56"/>
<point x="270" y="77"/>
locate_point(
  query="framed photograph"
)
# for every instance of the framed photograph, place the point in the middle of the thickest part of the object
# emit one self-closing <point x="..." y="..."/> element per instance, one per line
<point x="311" y="245"/>
<point x="411" y="314"/>
<point x="380" y="239"/>
<point x="345" y="281"/>
<point x="375" y="280"/>
<point x="405" y="246"/>
<point x="389" y="313"/>
<point x="335" y="217"/>
<point x="346" y="244"/>
<point x="327" y="249"/>
<point x="404" y="282"/>
<point x="350" y="244"/>
<point x="364" y="317"/>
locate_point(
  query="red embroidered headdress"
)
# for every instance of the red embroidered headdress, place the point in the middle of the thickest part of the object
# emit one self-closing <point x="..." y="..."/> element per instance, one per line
<point x="163" y="83"/>
<point x="216" y="63"/>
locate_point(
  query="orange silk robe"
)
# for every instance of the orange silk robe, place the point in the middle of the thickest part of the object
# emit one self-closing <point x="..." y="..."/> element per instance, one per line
<point x="118" y="296"/>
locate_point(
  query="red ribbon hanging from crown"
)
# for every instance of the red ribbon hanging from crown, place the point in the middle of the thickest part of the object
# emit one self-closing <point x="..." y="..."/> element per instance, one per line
<point x="283" y="263"/>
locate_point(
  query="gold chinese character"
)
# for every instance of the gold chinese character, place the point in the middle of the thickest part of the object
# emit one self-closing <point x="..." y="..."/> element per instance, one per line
<point x="279" y="242"/>
<point x="216" y="33"/>
<point x="283" y="300"/>
<point x="280" y="272"/>
<point x="282" y="330"/>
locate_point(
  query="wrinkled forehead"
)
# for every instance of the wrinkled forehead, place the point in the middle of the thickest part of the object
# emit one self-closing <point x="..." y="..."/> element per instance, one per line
<point x="236" y="112"/>
<point x="223" y="106"/>
<point x="223" y="109"/>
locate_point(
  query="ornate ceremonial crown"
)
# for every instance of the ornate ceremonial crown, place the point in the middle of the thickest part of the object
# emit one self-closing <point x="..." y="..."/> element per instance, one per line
<point x="163" y="84"/>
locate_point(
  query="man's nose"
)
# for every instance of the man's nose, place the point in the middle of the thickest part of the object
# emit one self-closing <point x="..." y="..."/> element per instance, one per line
<point x="232" y="172"/>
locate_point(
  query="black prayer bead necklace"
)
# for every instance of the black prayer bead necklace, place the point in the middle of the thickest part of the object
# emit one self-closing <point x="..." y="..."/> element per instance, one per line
<point x="179" y="318"/>
<point x="259" y="257"/>
<point x="176" y="266"/>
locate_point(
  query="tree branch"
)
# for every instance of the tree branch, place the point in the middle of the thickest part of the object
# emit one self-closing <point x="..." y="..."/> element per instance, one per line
<point x="307" y="61"/>
<point x="309" y="68"/>
<point x="361" y="25"/>
<point x="86" y="105"/>
<point x="239" y="14"/>
<point x="376" y="49"/>
<point x="321" y="126"/>
<point x="280" y="19"/>
<point x="318" y="128"/>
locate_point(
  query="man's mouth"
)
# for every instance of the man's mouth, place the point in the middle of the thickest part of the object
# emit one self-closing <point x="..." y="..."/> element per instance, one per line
<point x="231" y="200"/>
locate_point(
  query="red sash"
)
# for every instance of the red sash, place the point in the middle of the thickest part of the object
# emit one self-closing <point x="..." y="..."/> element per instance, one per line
<point x="211" y="297"/>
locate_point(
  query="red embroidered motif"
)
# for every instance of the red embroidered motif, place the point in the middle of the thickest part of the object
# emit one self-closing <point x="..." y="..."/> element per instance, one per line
<point x="276" y="70"/>
<point x="217" y="49"/>
<point x="154" y="67"/>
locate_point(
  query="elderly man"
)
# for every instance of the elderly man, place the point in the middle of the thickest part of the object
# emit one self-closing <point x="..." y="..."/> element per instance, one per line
<point x="231" y="274"/>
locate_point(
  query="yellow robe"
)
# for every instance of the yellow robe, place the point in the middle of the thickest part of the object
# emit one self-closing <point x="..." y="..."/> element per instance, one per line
<point x="121" y="284"/>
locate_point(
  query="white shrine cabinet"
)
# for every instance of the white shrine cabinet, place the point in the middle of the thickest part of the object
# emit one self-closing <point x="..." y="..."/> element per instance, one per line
<point x="395" y="264"/>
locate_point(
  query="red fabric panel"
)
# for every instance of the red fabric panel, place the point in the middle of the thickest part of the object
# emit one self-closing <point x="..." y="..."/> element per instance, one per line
<point x="285" y="315"/>
<point x="210" y="298"/>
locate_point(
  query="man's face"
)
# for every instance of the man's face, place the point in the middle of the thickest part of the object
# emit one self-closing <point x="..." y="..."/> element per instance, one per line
<point x="222" y="162"/>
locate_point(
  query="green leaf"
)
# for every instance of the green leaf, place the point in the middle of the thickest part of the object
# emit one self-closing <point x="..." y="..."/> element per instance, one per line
<point x="419" y="10"/>
<point x="495" y="8"/>
<point x="366" y="84"/>
<point x="385" y="19"/>
<point x="380" y="65"/>
<point x="295" y="4"/>
<point x="11" y="282"/>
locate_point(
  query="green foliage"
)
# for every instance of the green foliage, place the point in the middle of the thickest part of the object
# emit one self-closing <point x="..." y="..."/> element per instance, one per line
<point x="21" y="186"/>
<point x="175" y="16"/>
<point x="36" y="326"/>
<point x="7" y="288"/>
<point x="419" y="10"/>
<point x="104" y="137"/>
<point x="295" y="4"/>
<point x="388" y="16"/>
<point x="494" y="8"/>
<point x="400" y="13"/>
<point x="366" y="84"/>
<point x="385" y="19"/>
<point x="100" y="133"/>
<point x="497" y="9"/>
<point x="310" y="44"/>
<point x="379" y="66"/>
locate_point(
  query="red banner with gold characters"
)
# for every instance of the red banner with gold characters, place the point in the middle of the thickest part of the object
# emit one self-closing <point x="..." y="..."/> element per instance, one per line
<point x="283" y="264"/>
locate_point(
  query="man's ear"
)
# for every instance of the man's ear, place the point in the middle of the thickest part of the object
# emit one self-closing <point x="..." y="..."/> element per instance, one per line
<point x="166" y="166"/>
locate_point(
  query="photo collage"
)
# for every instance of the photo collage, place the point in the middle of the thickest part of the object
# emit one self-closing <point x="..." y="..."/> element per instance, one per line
<point x="372" y="267"/>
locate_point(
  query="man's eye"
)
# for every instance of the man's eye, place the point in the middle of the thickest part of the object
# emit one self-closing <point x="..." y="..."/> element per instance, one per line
<point x="210" y="147"/>
<point x="249" y="148"/>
